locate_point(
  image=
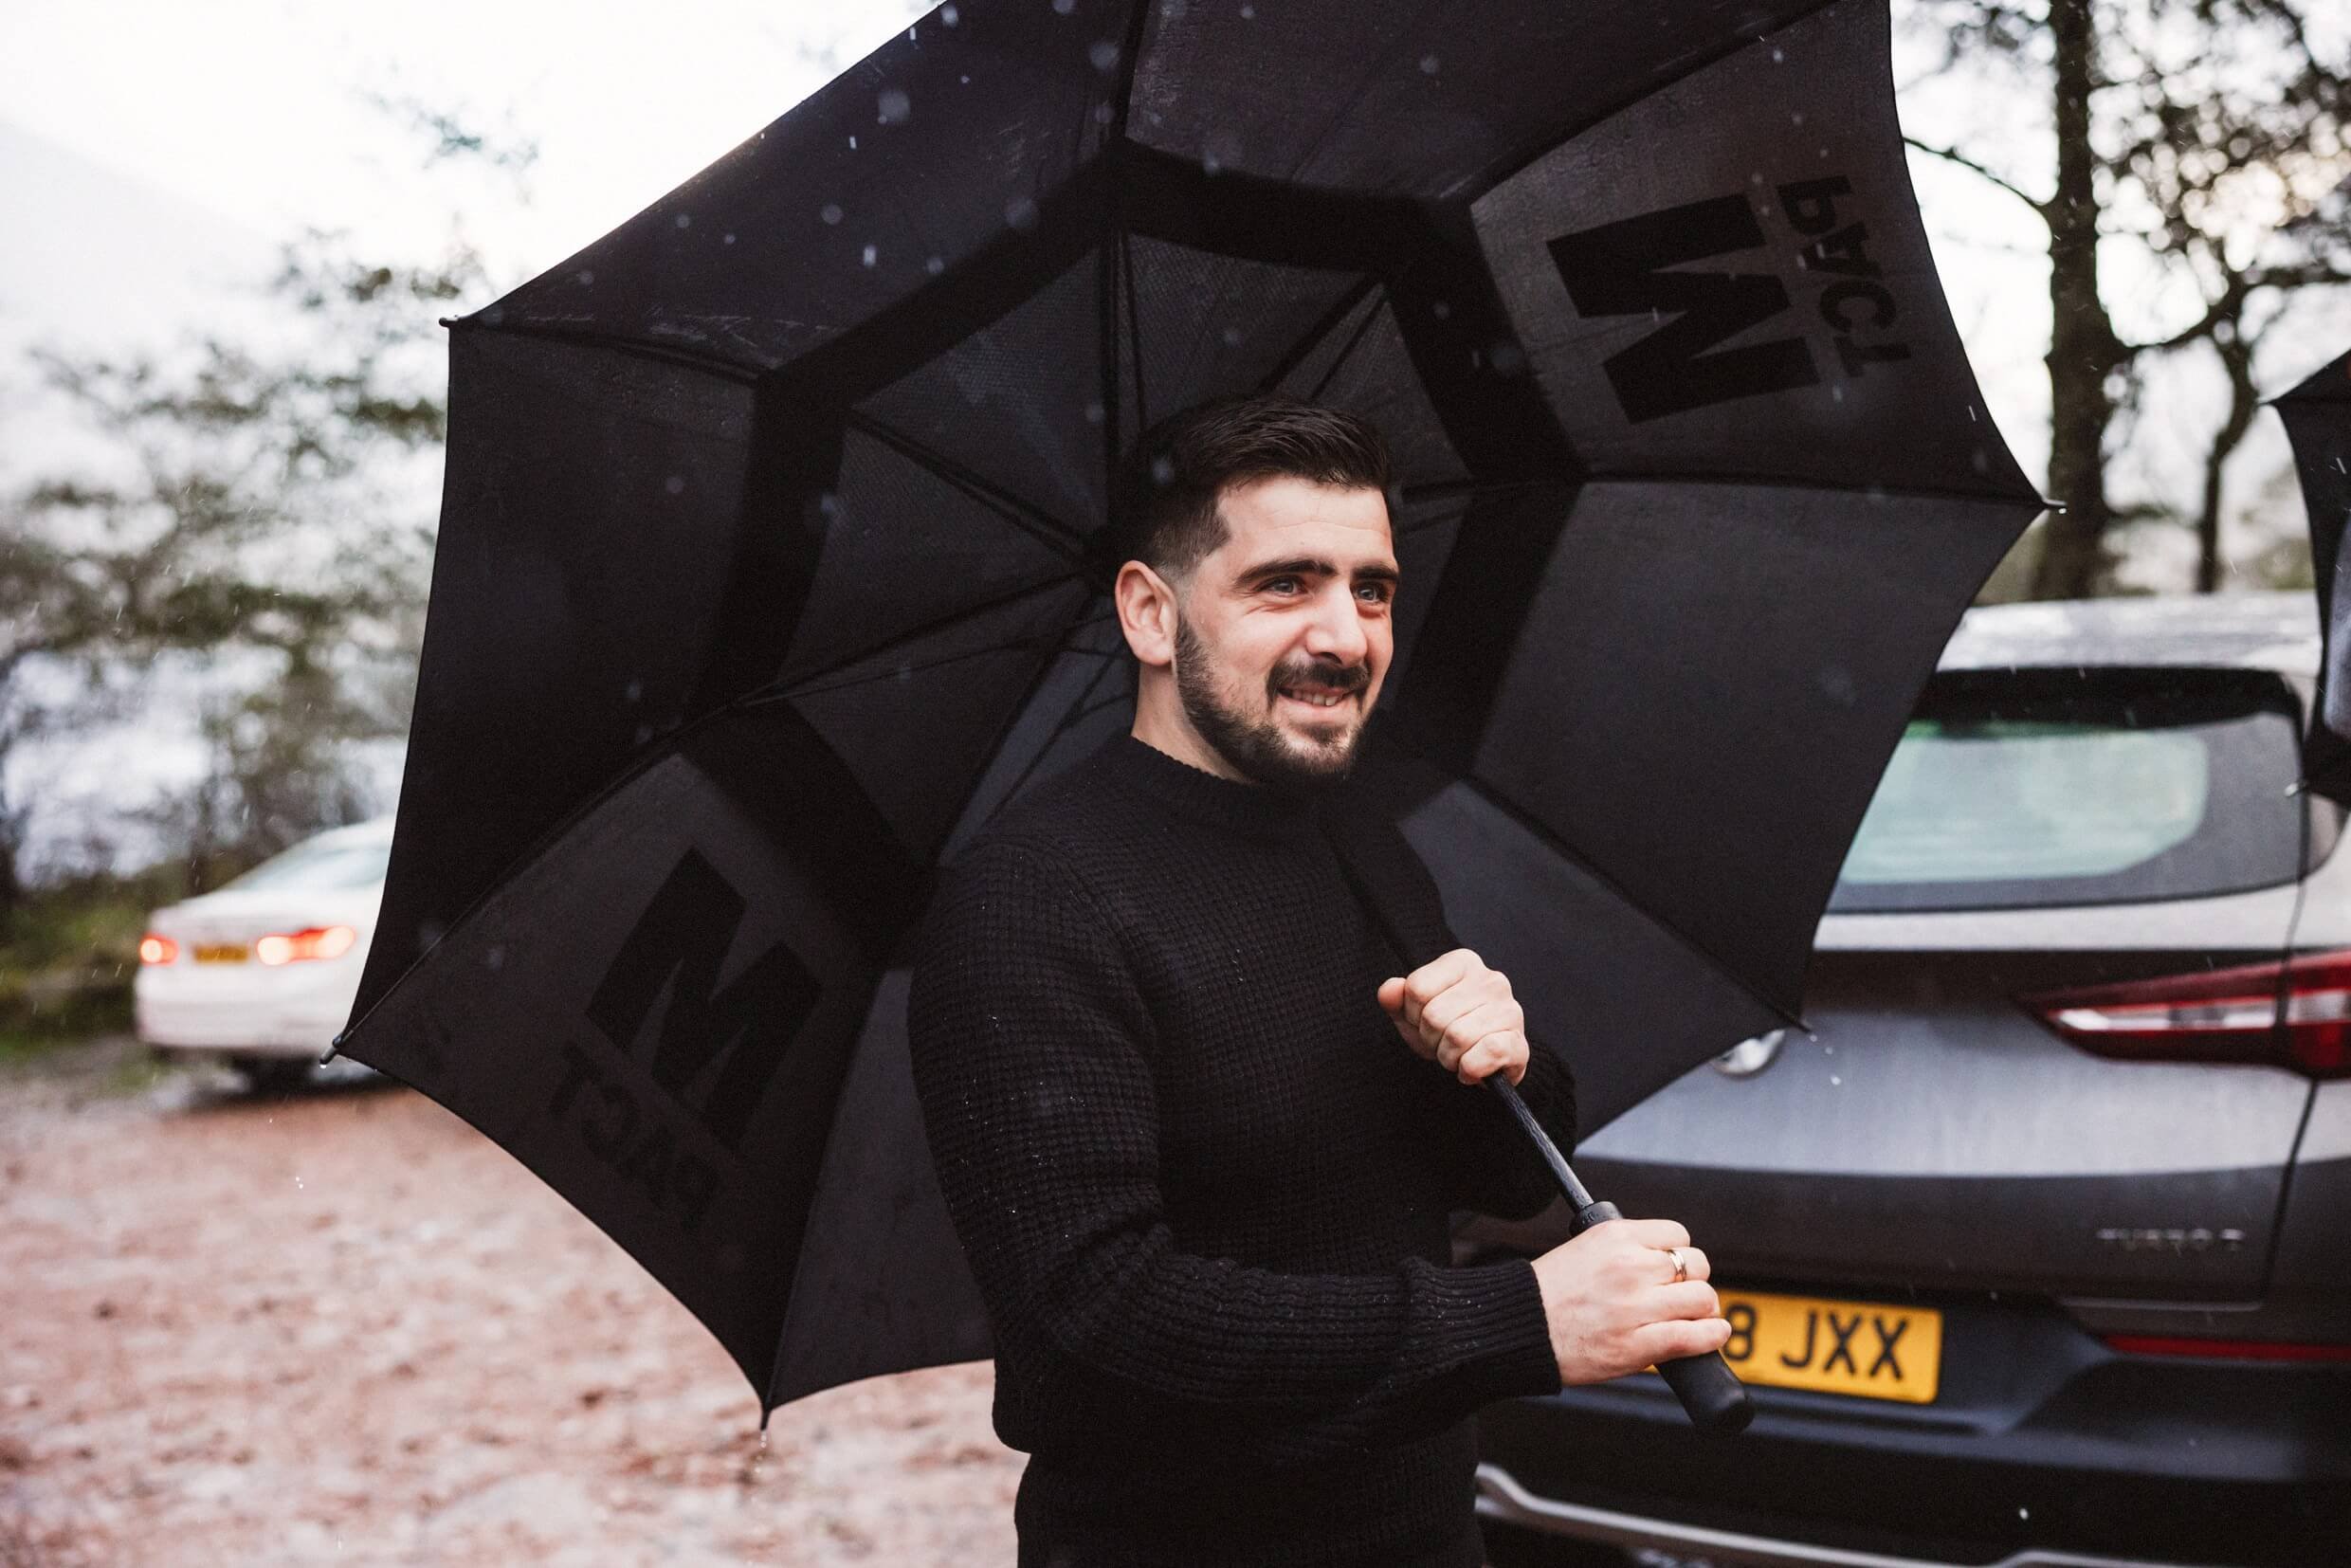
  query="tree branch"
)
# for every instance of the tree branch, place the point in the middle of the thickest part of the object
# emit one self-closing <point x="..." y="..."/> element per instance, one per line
<point x="1952" y="154"/>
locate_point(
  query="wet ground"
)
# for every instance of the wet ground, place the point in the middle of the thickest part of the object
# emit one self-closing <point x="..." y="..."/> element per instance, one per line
<point x="341" y="1327"/>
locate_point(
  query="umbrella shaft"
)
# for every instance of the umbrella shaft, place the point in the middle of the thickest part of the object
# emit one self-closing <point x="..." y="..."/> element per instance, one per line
<point x="1576" y="1195"/>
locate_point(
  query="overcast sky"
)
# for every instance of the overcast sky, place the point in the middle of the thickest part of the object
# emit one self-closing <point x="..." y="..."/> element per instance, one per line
<point x="172" y="145"/>
<point x="257" y="109"/>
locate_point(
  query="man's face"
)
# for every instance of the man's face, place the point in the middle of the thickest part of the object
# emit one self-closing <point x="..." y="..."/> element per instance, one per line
<point x="1285" y="630"/>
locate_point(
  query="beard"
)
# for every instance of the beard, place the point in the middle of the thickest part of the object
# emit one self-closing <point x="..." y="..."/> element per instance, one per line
<point x="1257" y="746"/>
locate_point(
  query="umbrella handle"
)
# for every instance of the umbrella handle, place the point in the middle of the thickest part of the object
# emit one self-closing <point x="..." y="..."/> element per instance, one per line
<point x="1710" y="1393"/>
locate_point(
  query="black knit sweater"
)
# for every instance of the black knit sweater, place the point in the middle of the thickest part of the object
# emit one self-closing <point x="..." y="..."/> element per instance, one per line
<point x="1205" y="1187"/>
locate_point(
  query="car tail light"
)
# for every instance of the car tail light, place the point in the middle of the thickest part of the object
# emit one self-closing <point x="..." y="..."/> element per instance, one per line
<point x="2295" y="1014"/>
<point x="2230" y="1350"/>
<point x="321" y="941"/>
<point x="156" y="950"/>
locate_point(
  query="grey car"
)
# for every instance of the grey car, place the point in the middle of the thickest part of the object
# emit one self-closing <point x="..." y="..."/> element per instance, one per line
<point x="2037" y="1247"/>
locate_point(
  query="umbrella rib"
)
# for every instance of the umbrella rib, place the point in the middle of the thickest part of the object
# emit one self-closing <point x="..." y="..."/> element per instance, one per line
<point x="1561" y="847"/>
<point x="1118" y="261"/>
<point x="801" y="689"/>
<point x="1297" y="352"/>
<point x="1134" y="338"/>
<point x="1038" y="525"/>
<point x="1076" y="711"/>
<point x="915" y="634"/>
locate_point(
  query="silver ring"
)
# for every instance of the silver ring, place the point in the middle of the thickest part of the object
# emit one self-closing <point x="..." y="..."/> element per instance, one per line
<point x="1681" y="1266"/>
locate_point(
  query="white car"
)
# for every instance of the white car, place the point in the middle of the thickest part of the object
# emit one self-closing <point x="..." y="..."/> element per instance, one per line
<point x="262" y="973"/>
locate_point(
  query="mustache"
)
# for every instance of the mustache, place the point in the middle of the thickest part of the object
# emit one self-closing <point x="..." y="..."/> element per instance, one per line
<point x="1346" y="680"/>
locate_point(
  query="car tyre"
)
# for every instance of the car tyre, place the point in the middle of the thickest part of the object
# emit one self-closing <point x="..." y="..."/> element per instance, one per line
<point x="1508" y="1546"/>
<point x="272" y="1074"/>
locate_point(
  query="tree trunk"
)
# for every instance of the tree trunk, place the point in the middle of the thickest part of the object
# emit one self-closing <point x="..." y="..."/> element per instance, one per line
<point x="11" y="885"/>
<point x="2236" y="357"/>
<point x="2083" y="352"/>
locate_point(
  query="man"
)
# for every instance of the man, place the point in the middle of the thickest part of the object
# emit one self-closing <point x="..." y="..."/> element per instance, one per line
<point x="1204" y="1190"/>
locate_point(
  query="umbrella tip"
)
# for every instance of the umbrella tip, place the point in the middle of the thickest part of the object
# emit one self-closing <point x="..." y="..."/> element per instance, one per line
<point x="333" y="1049"/>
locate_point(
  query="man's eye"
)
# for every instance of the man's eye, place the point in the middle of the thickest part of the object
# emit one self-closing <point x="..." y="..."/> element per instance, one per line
<point x="1375" y="592"/>
<point x="1281" y="585"/>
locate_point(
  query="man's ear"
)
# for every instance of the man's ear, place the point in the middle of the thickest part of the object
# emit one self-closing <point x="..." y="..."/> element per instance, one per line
<point x="1147" y="612"/>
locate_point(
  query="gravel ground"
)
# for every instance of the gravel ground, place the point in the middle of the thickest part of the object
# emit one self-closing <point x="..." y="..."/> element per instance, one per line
<point x="341" y="1327"/>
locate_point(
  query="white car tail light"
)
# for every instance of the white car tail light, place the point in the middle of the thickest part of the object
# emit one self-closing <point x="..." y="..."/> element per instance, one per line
<point x="2295" y="1014"/>
<point x="156" y="950"/>
<point x="323" y="942"/>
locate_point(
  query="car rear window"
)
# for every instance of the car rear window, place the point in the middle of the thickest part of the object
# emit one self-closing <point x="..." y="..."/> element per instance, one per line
<point x="324" y="868"/>
<point x="2017" y="789"/>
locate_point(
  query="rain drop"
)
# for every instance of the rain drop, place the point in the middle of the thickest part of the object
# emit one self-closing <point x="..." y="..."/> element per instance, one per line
<point x="949" y="16"/>
<point x="1094" y="414"/>
<point x="586" y="277"/>
<point x="1834" y="1081"/>
<point x="1063" y="8"/>
<point x="494" y="959"/>
<point x="1104" y="55"/>
<point x="727" y="240"/>
<point x="1777" y="57"/>
<point x="1796" y="118"/>
<point x="685" y="220"/>
<point x="871" y="255"/>
<point x="635" y="692"/>
<point x="644" y="733"/>
<point x="894" y="106"/>
<point x="829" y="212"/>
<point x="1102" y="114"/>
<point x="1021" y="212"/>
<point x="1428" y="65"/>
<point x="1249" y="13"/>
<point x="852" y="144"/>
<point x="964" y="81"/>
<point x="1231" y="336"/>
<point x="675" y="484"/>
<point x="2024" y="1513"/>
<point x="934" y="266"/>
<point x="1162" y="471"/>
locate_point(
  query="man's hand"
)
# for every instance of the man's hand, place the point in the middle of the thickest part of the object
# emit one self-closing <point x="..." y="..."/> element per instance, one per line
<point x="1613" y="1304"/>
<point x="1459" y="1015"/>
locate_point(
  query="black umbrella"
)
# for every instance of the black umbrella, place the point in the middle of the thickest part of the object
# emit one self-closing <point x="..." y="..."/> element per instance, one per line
<point x="764" y="572"/>
<point x="2318" y="422"/>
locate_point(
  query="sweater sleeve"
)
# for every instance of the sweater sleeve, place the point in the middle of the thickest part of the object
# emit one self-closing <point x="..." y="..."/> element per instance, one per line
<point x="1497" y="1170"/>
<point x="1031" y="1054"/>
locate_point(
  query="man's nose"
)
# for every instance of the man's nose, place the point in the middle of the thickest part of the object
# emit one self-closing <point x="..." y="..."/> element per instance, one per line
<point x="1337" y="631"/>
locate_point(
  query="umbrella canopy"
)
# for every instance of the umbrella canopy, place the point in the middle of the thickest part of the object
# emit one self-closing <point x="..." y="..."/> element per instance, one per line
<point x="764" y="574"/>
<point x="2318" y="422"/>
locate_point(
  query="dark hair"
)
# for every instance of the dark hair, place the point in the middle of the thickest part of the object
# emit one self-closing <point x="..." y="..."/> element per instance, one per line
<point x="1163" y="507"/>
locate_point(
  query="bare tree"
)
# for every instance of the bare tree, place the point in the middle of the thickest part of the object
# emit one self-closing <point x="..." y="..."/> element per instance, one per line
<point x="2210" y="136"/>
<point x="238" y="518"/>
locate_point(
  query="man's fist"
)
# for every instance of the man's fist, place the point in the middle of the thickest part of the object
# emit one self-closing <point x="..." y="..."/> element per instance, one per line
<point x="1460" y="1016"/>
<point x="1615" y="1307"/>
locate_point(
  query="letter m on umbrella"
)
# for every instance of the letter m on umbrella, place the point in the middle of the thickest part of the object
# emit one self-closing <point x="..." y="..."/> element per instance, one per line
<point x="713" y="1047"/>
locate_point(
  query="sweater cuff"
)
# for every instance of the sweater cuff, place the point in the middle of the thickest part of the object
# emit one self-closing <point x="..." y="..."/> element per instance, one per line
<point x="1501" y="1337"/>
<point x="1550" y="1093"/>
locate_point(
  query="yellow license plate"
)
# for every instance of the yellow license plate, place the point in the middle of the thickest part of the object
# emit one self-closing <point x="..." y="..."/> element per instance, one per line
<point x="221" y="953"/>
<point x="1861" y="1348"/>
